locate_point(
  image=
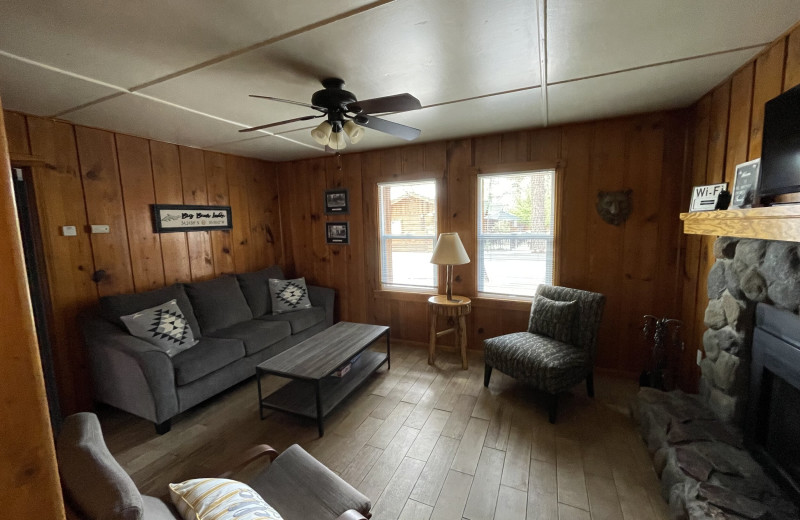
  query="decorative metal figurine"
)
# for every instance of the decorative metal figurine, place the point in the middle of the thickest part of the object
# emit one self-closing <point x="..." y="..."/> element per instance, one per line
<point x="662" y="335"/>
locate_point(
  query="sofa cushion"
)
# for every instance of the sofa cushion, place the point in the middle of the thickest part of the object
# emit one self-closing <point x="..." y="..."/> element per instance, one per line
<point x="155" y="509"/>
<point x="255" y="334"/>
<point x="288" y="295"/>
<point x="92" y="479"/>
<point x="256" y="289"/>
<point x="209" y="355"/>
<point x="546" y="363"/>
<point x="218" y="303"/>
<point x="298" y="320"/>
<point x="164" y="326"/>
<point x="112" y="307"/>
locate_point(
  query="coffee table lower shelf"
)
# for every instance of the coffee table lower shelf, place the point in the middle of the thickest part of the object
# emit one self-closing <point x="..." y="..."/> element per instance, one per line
<point x="316" y="399"/>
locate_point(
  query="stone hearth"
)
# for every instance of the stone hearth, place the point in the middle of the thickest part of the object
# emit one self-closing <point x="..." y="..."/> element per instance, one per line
<point x="696" y="440"/>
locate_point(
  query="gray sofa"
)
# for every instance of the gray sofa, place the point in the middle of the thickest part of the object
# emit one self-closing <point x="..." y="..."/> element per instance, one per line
<point x="232" y="318"/>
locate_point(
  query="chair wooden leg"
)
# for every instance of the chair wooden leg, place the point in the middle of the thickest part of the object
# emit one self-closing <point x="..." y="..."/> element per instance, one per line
<point x="487" y="374"/>
<point x="552" y="407"/>
<point x="590" y="384"/>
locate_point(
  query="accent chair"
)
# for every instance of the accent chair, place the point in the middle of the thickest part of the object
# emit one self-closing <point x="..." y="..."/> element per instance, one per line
<point x="558" y="349"/>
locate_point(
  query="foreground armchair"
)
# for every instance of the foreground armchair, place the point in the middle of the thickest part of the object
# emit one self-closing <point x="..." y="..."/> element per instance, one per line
<point x="558" y="350"/>
<point x="295" y="485"/>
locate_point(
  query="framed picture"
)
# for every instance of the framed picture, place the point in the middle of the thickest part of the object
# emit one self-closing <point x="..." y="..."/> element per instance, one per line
<point x="337" y="232"/>
<point x="745" y="184"/>
<point x="704" y="198"/>
<point x="337" y="202"/>
<point x="172" y="218"/>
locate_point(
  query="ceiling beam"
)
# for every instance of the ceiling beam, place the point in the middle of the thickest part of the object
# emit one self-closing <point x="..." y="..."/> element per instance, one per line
<point x="541" y="22"/>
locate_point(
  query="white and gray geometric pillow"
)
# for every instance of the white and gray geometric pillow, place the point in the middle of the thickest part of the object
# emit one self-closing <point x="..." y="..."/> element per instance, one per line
<point x="288" y="295"/>
<point x="164" y="326"/>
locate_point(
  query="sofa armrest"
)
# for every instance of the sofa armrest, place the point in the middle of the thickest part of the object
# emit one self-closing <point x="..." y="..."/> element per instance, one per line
<point x="323" y="297"/>
<point x="296" y="482"/>
<point x="249" y="456"/>
<point x="130" y="373"/>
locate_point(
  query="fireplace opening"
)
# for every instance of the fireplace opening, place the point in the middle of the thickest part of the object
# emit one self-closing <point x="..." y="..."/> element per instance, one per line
<point x="773" y="425"/>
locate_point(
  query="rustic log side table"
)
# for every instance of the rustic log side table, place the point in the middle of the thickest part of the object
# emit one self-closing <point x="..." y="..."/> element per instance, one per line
<point x="458" y="308"/>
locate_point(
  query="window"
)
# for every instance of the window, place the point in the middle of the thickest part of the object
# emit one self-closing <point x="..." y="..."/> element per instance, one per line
<point x="408" y="232"/>
<point x="515" y="232"/>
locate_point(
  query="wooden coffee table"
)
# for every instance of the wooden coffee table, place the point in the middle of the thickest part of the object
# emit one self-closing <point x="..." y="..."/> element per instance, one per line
<point x="314" y="392"/>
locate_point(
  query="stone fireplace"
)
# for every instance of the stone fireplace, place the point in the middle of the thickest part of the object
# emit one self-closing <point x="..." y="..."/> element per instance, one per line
<point x="697" y="441"/>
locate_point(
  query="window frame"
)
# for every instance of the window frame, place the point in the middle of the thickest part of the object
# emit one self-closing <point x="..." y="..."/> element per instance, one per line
<point x="426" y="177"/>
<point x="520" y="168"/>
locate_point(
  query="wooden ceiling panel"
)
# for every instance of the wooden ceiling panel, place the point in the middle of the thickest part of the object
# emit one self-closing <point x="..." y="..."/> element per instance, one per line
<point x="142" y="117"/>
<point x="656" y="88"/>
<point x="586" y="37"/>
<point x="42" y="92"/>
<point x="487" y="115"/>
<point x="438" y="51"/>
<point x="128" y="43"/>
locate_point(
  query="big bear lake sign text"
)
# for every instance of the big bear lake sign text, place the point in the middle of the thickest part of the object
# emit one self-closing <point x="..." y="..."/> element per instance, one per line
<point x="168" y="218"/>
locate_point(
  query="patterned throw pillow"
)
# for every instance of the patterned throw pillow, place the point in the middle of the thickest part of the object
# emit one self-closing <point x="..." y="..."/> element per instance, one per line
<point x="288" y="295"/>
<point x="553" y="318"/>
<point x="164" y="326"/>
<point x="220" y="499"/>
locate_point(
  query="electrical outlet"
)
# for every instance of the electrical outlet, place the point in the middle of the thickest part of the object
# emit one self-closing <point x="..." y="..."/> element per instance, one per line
<point x="699" y="356"/>
<point x="96" y="228"/>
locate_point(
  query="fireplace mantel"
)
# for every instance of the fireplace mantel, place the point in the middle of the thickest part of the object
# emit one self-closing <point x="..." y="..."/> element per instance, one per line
<point x="771" y="223"/>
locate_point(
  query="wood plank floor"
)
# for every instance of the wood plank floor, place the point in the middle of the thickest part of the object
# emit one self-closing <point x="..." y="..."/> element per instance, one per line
<point x="426" y="443"/>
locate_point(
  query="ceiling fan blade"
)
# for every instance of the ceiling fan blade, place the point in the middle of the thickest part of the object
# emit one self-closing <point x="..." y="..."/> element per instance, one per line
<point x="382" y="125"/>
<point x="259" y="127"/>
<point x="321" y="109"/>
<point x="396" y="103"/>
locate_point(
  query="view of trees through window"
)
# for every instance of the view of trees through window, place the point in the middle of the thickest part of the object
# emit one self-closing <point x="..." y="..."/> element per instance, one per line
<point x="515" y="232"/>
<point x="408" y="233"/>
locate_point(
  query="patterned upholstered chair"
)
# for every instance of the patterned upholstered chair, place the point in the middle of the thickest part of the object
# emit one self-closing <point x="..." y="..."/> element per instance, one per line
<point x="558" y="350"/>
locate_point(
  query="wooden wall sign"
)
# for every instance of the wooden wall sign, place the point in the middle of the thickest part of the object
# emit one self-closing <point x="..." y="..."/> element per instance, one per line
<point x="171" y="218"/>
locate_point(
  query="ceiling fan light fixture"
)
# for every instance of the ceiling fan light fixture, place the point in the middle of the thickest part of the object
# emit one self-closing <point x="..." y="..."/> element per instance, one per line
<point x="337" y="141"/>
<point x="353" y="131"/>
<point x="322" y="133"/>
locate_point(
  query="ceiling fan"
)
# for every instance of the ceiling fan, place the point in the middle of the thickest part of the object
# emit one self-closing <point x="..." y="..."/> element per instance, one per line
<point x="346" y="115"/>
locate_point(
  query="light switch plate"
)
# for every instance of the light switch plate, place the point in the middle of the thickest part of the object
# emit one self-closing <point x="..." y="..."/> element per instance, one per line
<point x="69" y="231"/>
<point x="99" y="228"/>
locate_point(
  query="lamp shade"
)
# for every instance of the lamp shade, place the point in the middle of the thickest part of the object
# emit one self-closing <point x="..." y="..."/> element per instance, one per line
<point x="322" y="133"/>
<point x="449" y="250"/>
<point x="337" y="141"/>
<point x="354" y="132"/>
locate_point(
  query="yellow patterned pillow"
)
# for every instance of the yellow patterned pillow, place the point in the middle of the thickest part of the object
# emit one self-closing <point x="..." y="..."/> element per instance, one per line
<point x="219" y="499"/>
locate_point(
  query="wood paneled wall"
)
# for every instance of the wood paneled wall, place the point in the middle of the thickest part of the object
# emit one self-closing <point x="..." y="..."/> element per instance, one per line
<point x="726" y="130"/>
<point x="637" y="265"/>
<point x="29" y="484"/>
<point x="91" y="176"/>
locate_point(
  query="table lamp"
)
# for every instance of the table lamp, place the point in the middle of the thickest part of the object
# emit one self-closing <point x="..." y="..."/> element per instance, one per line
<point x="449" y="251"/>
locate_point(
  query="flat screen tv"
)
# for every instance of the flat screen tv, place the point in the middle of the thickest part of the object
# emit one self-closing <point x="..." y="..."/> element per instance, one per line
<point x="780" y="147"/>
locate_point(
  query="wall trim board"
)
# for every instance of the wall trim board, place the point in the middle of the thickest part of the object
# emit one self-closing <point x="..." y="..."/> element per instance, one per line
<point x="29" y="483"/>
